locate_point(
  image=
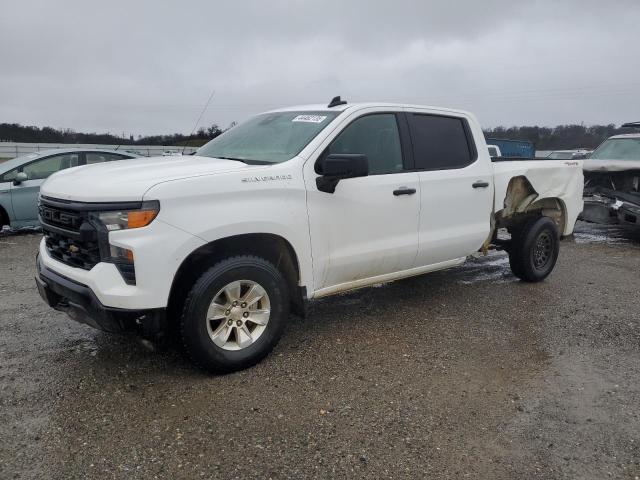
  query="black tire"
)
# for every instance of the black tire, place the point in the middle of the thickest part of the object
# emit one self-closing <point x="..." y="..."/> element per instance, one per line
<point x="4" y="219"/>
<point x="516" y="267"/>
<point x="193" y="325"/>
<point x="534" y="249"/>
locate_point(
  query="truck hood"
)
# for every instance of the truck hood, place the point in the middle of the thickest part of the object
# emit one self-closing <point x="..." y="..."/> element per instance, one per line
<point x="596" y="165"/>
<point x="128" y="180"/>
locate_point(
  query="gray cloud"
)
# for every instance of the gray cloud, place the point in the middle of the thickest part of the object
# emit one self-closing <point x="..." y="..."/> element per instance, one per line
<point x="148" y="67"/>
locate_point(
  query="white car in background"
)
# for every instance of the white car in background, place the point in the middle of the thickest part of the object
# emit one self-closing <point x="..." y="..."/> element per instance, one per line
<point x="612" y="181"/>
<point x="569" y="154"/>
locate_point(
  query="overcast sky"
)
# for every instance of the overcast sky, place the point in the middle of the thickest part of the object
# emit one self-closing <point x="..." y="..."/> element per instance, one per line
<point x="143" y="67"/>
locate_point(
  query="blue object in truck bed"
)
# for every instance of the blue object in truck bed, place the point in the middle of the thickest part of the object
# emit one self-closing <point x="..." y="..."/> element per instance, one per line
<point x="513" y="148"/>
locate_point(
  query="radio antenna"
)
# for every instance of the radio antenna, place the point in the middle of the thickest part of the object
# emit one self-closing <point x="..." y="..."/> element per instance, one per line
<point x="206" y="105"/>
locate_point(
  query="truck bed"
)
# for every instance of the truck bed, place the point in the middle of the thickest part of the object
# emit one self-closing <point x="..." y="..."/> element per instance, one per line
<point x="549" y="179"/>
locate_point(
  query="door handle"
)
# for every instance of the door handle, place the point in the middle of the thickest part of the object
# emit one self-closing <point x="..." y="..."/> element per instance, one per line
<point x="404" y="191"/>
<point x="480" y="184"/>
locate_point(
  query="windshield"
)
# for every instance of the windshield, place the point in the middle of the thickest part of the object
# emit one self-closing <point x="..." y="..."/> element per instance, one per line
<point x="268" y="138"/>
<point x="618" y="149"/>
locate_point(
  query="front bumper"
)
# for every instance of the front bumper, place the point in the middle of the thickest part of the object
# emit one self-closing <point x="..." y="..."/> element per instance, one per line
<point x="599" y="209"/>
<point x="610" y="211"/>
<point x="159" y="249"/>
<point x="81" y="304"/>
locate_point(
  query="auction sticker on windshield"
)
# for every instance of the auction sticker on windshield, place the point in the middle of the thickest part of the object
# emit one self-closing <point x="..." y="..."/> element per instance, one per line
<point x="309" y="118"/>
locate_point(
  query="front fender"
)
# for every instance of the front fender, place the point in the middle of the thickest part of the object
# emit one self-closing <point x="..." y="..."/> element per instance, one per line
<point x="221" y="206"/>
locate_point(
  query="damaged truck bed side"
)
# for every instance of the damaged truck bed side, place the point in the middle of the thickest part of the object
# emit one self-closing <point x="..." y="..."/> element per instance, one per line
<point x="612" y="182"/>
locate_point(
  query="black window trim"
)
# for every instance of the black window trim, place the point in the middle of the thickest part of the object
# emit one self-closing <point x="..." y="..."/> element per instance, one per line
<point x="405" y="148"/>
<point x="471" y="144"/>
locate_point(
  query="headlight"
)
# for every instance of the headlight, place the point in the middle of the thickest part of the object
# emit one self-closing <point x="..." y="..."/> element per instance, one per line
<point x="125" y="219"/>
<point x="106" y="221"/>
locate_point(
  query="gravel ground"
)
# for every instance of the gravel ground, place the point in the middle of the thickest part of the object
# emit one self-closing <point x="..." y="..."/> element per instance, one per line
<point x="464" y="373"/>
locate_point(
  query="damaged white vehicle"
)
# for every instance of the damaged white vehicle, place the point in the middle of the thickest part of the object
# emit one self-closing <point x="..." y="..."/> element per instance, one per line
<point x="293" y="205"/>
<point x="612" y="181"/>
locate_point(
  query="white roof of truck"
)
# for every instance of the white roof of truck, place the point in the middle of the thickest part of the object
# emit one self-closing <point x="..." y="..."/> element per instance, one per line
<point x="360" y="105"/>
<point x="626" y="135"/>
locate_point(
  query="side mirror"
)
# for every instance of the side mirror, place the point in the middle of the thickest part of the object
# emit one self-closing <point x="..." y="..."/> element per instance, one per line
<point x="20" y="177"/>
<point x="338" y="166"/>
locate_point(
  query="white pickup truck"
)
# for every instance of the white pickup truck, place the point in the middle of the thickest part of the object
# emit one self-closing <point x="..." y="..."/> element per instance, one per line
<point x="293" y="205"/>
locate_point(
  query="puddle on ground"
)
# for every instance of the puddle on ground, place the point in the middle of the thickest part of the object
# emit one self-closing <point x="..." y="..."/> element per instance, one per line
<point x="492" y="268"/>
<point x="613" y="234"/>
<point x="6" y="231"/>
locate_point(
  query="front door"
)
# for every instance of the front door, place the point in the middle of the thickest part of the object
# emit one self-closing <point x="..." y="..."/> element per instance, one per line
<point x="369" y="225"/>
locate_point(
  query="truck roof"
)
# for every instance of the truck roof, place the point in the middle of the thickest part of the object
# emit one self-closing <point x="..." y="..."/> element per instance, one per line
<point x="627" y="135"/>
<point x="358" y="106"/>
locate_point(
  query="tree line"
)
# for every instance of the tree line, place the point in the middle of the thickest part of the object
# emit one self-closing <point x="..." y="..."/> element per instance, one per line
<point x="14" y="132"/>
<point x="561" y="137"/>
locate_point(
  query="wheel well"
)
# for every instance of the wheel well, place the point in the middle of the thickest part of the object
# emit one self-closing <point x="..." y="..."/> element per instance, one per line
<point x="547" y="207"/>
<point x="272" y="248"/>
<point x="521" y="203"/>
<point x="552" y="207"/>
<point x="520" y="194"/>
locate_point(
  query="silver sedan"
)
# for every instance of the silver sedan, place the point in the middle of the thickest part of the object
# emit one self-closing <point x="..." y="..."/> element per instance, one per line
<point x="21" y="177"/>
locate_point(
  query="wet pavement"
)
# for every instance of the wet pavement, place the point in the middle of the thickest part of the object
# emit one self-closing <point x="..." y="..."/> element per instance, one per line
<point x="467" y="373"/>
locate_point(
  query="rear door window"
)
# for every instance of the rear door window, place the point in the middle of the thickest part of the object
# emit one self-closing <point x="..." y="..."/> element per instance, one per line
<point x="440" y="143"/>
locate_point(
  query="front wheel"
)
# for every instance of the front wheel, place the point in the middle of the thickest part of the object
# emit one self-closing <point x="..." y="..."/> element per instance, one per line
<point x="234" y="314"/>
<point x="534" y="249"/>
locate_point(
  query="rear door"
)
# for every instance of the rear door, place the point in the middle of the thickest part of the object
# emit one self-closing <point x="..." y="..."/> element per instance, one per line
<point x="369" y="225"/>
<point x="24" y="196"/>
<point x="456" y="186"/>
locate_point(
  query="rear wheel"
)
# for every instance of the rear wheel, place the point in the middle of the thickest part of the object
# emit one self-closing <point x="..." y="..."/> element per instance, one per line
<point x="234" y="314"/>
<point x="534" y="249"/>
